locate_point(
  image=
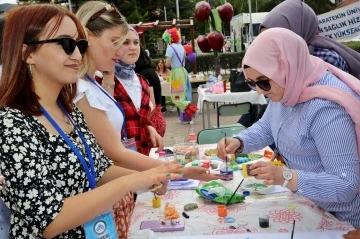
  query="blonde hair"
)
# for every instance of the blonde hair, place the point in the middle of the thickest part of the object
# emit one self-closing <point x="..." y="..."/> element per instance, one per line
<point x="96" y="17"/>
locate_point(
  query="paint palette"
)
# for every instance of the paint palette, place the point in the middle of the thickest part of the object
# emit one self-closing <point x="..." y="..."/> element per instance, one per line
<point x="254" y="185"/>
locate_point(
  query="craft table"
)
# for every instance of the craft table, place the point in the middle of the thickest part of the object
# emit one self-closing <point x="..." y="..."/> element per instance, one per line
<point x="166" y="87"/>
<point x="228" y="97"/>
<point x="282" y="209"/>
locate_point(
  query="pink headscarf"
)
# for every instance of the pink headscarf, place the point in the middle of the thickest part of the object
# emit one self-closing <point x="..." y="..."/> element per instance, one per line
<point x="284" y="57"/>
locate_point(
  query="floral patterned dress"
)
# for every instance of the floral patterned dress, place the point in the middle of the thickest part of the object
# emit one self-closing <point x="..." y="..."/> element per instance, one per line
<point x="42" y="171"/>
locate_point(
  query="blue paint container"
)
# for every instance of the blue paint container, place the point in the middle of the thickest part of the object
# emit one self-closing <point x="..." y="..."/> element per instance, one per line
<point x="228" y="171"/>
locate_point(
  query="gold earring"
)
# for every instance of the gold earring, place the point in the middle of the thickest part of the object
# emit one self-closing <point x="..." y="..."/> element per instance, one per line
<point x="30" y="70"/>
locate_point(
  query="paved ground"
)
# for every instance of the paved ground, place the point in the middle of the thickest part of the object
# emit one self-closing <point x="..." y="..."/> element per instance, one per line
<point x="174" y="129"/>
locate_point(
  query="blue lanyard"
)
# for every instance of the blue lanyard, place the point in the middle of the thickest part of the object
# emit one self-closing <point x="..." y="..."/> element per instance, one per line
<point x="113" y="100"/>
<point x="90" y="173"/>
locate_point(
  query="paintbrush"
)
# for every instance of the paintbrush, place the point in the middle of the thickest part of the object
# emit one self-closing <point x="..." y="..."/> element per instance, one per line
<point x="155" y="195"/>
<point x="292" y="232"/>
<point x="235" y="192"/>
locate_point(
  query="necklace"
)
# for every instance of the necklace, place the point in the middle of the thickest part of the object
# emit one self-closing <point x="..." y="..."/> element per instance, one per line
<point x="132" y="82"/>
<point x="67" y="121"/>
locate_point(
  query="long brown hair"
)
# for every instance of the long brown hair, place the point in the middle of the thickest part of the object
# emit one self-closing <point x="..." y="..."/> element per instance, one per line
<point x="16" y="85"/>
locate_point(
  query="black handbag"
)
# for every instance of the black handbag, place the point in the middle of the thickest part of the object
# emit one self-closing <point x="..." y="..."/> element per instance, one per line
<point x="237" y="82"/>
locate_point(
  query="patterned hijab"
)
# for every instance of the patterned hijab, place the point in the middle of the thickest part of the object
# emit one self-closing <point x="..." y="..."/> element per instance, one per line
<point x="283" y="56"/>
<point x="298" y="17"/>
<point x="125" y="71"/>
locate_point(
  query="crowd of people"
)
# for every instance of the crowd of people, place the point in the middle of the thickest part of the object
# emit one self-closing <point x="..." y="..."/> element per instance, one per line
<point x="81" y="107"/>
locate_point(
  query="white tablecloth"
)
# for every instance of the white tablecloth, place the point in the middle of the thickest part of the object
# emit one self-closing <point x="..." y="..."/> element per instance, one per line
<point x="229" y="97"/>
<point x="282" y="209"/>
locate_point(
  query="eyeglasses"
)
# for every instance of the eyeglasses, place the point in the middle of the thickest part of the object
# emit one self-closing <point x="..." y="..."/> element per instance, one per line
<point x="262" y="84"/>
<point x="67" y="43"/>
<point x="104" y="9"/>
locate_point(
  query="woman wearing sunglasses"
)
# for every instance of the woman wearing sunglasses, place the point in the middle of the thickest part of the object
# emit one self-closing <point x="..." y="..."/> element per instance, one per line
<point x="313" y="117"/>
<point x="58" y="181"/>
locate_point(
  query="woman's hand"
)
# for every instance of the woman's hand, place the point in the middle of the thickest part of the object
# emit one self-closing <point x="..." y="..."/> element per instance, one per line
<point x="2" y="179"/>
<point x="231" y="146"/>
<point x="147" y="179"/>
<point x="156" y="139"/>
<point x="355" y="234"/>
<point x="200" y="173"/>
<point x="163" y="189"/>
<point x="271" y="174"/>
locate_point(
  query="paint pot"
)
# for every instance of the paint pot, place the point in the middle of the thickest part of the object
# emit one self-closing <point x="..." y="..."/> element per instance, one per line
<point x="206" y="164"/>
<point x="227" y="171"/>
<point x="264" y="221"/>
<point x="230" y="219"/>
<point x="156" y="202"/>
<point x="222" y="211"/>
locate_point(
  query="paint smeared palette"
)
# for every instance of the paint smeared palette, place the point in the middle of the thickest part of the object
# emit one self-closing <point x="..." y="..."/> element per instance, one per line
<point x="255" y="186"/>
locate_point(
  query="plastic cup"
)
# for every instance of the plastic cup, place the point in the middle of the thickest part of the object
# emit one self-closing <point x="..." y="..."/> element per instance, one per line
<point x="222" y="211"/>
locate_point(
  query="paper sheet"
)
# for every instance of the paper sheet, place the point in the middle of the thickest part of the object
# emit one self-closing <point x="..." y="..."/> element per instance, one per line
<point x="184" y="185"/>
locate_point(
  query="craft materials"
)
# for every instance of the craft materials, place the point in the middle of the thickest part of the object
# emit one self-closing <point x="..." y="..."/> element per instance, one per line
<point x="170" y="212"/>
<point x="242" y="160"/>
<point x="156" y="201"/>
<point x="234" y="192"/>
<point x="232" y="227"/>
<point x="230" y="220"/>
<point x="246" y="170"/>
<point x="227" y="171"/>
<point x="268" y="154"/>
<point x="246" y="193"/>
<point x="163" y="226"/>
<point x="206" y="164"/>
<point x="222" y="210"/>
<point x="264" y="221"/>
<point x="190" y="206"/>
<point x="185" y="215"/>
<point x="194" y="164"/>
<point x="290" y="207"/>
<point x="292" y="232"/>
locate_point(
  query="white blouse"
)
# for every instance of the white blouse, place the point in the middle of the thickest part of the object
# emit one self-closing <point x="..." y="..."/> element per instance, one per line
<point x="134" y="90"/>
<point x="97" y="99"/>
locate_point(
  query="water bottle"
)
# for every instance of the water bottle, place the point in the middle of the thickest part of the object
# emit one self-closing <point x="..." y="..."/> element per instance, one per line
<point x="162" y="156"/>
<point x="192" y="136"/>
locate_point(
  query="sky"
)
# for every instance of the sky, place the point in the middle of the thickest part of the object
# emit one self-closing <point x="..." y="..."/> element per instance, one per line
<point x="7" y="1"/>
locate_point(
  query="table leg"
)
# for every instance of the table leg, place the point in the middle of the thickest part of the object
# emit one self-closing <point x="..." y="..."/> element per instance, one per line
<point x="203" y="116"/>
<point x="208" y="114"/>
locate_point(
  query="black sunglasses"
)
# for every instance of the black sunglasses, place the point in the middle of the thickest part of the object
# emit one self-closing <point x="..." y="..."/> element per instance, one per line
<point x="67" y="43"/>
<point x="105" y="9"/>
<point x="262" y="84"/>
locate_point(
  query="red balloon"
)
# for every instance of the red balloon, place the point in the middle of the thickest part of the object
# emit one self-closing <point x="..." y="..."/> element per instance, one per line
<point x="188" y="48"/>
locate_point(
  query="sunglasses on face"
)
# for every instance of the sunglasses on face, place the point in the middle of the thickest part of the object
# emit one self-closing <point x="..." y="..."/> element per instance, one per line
<point x="262" y="84"/>
<point x="105" y="9"/>
<point x="67" y="43"/>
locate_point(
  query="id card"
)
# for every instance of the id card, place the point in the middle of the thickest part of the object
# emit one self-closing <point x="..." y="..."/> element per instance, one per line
<point x="101" y="227"/>
<point x="129" y="144"/>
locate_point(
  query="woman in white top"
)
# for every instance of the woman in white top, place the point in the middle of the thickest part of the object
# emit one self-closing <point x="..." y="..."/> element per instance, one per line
<point x="106" y="30"/>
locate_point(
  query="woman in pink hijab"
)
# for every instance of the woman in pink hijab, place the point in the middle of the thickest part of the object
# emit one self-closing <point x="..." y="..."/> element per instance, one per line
<point x="314" y="119"/>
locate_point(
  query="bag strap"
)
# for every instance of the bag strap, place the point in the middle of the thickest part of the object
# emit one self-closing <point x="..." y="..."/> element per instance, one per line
<point x="181" y="61"/>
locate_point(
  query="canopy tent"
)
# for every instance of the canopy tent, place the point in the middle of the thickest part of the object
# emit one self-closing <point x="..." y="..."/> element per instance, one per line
<point x="141" y="28"/>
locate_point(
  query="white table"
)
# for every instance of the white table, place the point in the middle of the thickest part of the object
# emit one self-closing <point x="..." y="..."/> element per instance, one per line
<point x="228" y="97"/>
<point x="204" y="223"/>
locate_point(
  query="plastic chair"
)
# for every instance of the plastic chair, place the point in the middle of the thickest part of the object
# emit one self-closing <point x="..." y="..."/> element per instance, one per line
<point x="213" y="136"/>
<point x="232" y="110"/>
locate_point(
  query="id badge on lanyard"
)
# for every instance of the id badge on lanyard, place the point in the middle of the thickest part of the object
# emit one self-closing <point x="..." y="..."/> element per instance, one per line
<point x="128" y="143"/>
<point x="102" y="226"/>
